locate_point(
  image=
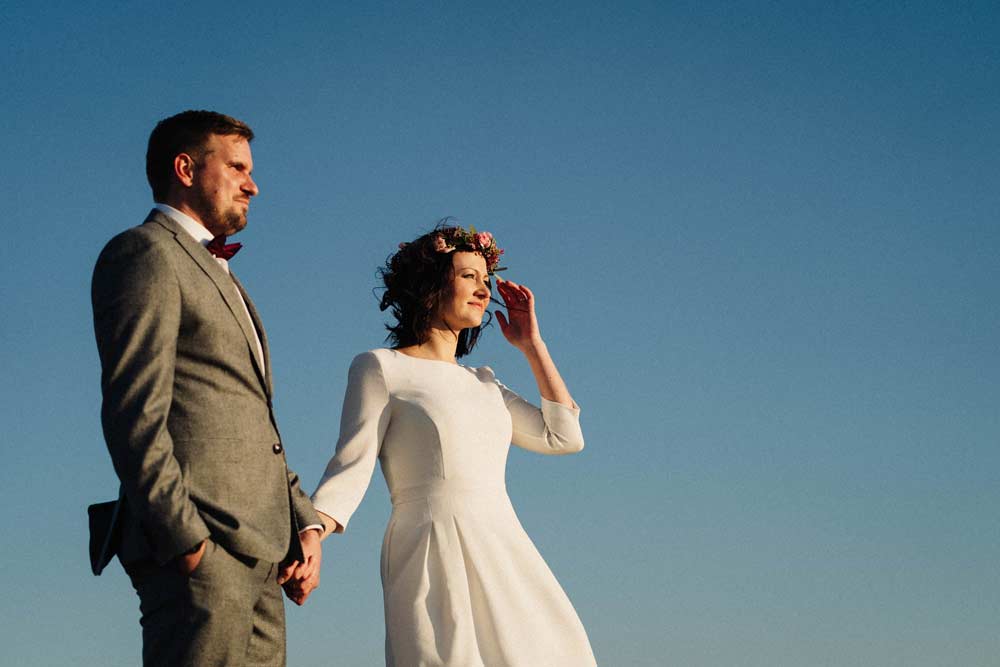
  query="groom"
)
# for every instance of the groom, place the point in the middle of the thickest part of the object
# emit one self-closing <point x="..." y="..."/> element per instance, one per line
<point x="211" y="519"/>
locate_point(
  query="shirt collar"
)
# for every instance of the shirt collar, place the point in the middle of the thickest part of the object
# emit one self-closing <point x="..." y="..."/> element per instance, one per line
<point x="190" y="225"/>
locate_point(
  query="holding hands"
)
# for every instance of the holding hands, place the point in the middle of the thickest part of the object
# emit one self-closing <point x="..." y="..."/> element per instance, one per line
<point x="300" y="579"/>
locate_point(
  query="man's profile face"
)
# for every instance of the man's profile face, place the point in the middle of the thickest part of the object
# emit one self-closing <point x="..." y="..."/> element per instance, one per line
<point x="222" y="184"/>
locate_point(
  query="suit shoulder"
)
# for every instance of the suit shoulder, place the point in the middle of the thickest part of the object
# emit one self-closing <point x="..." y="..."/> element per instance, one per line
<point x="136" y="239"/>
<point x="135" y="255"/>
<point x="152" y="237"/>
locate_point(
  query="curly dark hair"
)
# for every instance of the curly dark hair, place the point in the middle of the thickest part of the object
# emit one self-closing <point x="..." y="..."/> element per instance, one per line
<point x="416" y="280"/>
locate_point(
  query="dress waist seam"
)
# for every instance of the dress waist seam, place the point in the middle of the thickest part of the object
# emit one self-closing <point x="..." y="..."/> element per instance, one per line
<point x="444" y="488"/>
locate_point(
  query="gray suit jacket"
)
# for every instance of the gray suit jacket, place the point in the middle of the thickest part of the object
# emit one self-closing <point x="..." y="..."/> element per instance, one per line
<point x="187" y="410"/>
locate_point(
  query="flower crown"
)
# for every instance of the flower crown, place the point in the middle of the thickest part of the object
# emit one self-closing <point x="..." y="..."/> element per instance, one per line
<point x="450" y="239"/>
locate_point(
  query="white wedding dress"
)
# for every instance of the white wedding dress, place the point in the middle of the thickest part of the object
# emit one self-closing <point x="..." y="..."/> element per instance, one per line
<point x="463" y="584"/>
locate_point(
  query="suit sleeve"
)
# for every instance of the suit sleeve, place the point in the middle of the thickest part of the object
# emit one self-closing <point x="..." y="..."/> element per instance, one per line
<point x="552" y="429"/>
<point x="363" y="423"/>
<point x="137" y="315"/>
<point x="305" y="513"/>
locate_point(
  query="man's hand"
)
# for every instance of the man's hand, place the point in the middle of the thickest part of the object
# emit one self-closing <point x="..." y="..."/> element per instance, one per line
<point x="186" y="563"/>
<point x="300" y="579"/>
<point x="298" y="591"/>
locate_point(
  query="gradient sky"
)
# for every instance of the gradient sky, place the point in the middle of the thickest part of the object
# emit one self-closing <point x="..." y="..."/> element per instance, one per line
<point x="764" y="241"/>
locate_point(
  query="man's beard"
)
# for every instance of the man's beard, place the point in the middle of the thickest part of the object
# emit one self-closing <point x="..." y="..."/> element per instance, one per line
<point x="234" y="221"/>
<point x="221" y="222"/>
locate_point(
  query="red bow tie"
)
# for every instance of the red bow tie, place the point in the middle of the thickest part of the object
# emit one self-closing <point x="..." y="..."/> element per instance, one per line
<point x="221" y="249"/>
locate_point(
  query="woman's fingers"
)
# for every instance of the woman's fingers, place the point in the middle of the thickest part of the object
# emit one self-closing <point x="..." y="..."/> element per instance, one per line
<point x="505" y="289"/>
<point x="523" y="294"/>
<point x="517" y="297"/>
<point x="502" y="319"/>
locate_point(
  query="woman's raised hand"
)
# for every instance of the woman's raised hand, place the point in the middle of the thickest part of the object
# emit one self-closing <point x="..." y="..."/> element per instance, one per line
<point x="519" y="326"/>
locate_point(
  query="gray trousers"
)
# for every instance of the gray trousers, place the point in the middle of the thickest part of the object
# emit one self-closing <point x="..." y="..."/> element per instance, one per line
<point x="228" y="612"/>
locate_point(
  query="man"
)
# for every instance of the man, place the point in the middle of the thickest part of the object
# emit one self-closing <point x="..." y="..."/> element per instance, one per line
<point x="210" y="516"/>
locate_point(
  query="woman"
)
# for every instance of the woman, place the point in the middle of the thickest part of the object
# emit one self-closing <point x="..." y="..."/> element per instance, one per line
<point x="463" y="585"/>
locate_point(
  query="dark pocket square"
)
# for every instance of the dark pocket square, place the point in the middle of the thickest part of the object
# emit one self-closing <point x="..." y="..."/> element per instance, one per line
<point x="105" y="533"/>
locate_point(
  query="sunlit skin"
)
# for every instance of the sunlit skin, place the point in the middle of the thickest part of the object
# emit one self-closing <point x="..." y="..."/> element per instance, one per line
<point x="214" y="185"/>
<point x="467" y="297"/>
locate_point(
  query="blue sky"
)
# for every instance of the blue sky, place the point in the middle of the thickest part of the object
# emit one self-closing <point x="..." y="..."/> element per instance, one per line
<point x="764" y="241"/>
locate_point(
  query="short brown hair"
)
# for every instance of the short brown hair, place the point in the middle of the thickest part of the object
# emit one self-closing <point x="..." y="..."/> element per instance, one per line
<point x="187" y="132"/>
<point x="416" y="282"/>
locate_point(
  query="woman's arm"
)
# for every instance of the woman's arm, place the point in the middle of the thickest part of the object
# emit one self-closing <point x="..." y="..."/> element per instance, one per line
<point x="330" y="525"/>
<point x="363" y="422"/>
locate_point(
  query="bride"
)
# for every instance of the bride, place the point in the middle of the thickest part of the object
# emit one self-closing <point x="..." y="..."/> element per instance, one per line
<point x="463" y="584"/>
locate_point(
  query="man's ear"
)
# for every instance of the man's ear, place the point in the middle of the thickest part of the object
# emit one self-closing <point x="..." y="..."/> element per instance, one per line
<point x="184" y="166"/>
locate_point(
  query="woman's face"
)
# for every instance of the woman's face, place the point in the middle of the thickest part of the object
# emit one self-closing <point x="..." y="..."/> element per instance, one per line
<point x="464" y="302"/>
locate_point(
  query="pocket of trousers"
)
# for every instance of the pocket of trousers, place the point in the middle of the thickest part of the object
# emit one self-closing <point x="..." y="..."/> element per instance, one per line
<point x="200" y="570"/>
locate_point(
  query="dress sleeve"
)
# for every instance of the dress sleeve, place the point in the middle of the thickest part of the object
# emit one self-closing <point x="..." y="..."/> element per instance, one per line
<point x="363" y="423"/>
<point x="553" y="429"/>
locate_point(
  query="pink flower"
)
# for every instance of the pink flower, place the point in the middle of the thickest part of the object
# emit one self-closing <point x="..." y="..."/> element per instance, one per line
<point x="440" y="245"/>
<point x="484" y="239"/>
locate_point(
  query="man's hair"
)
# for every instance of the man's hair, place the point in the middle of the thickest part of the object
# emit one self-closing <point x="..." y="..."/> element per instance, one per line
<point x="416" y="282"/>
<point x="187" y="132"/>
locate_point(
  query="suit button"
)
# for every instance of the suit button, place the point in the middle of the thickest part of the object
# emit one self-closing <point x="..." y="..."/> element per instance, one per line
<point x="276" y="448"/>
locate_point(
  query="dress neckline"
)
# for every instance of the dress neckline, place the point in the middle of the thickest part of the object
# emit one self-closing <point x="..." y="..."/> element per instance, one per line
<point x="433" y="361"/>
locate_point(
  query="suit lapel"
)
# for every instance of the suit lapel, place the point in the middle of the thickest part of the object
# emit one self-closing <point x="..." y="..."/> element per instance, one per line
<point x="255" y="318"/>
<point x="224" y="282"/>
